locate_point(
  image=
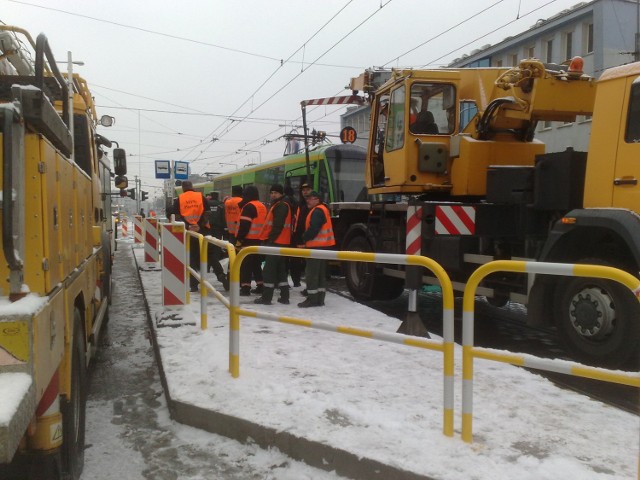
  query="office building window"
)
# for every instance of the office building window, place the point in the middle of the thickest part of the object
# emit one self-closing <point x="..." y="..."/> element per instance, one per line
<point x="514" y="59"/>
<point x="548" y="57"/>
<point x="568" y="45"/>
<point x="588" y="41"/>
<point x="530" y="52"/>
<point x="498" y="63"/>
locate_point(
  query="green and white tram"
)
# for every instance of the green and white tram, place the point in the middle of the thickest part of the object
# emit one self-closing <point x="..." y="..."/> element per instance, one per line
<point x="337" y="173"/>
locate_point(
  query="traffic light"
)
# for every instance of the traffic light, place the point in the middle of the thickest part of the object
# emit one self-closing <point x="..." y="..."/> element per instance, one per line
<point x="123" y="192"/>
<point x="143" y="195"/>
<point x="132" y="193"/>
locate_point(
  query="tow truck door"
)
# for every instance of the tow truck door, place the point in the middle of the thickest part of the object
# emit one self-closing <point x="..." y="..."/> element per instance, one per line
<point x="626" y="181"/>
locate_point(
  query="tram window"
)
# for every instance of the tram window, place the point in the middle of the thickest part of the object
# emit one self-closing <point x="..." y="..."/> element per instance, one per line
<point x="632" y="134"/>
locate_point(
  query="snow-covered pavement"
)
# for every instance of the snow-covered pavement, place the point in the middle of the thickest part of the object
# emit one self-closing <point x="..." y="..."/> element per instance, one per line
<point x="383" y="402"/>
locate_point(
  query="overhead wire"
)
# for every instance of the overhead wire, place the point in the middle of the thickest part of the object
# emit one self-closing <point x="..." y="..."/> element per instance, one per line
<point x="319" y="57"/>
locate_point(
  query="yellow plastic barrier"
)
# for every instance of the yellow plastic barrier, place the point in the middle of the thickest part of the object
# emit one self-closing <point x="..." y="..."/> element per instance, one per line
<point x="446" y="346"/>
<point x="469" y="351"/>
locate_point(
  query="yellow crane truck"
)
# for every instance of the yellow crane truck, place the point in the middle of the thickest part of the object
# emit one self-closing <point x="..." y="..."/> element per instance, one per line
<point x="454" y="173"/>
<point x="55" y="271"/>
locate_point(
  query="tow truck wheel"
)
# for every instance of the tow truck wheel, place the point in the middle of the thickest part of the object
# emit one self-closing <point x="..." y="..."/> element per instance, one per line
<point x="364" y="283"/>
<point x="598" y="321"/>
<point x="74" y="407"/>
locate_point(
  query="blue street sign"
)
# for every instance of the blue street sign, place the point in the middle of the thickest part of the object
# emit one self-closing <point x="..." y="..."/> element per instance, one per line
<point x="181" y="170"/>
<point x="163" y="169"/>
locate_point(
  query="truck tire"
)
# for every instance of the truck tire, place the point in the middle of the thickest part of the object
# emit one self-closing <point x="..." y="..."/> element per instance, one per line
<point x="74" y="407"/>
<point x="364" y="283"/>
<point x="598" y="321"/>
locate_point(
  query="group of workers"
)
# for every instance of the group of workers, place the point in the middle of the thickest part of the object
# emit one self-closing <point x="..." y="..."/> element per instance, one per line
<point x="245" y="221"/>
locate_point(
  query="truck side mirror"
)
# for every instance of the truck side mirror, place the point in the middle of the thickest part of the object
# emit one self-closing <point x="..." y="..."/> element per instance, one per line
<point x="119" y="161"/>
<point x="121" y="181"/>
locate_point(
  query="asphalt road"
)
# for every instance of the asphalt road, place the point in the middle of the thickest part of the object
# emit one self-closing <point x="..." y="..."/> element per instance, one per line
<point x="129" y="433"/>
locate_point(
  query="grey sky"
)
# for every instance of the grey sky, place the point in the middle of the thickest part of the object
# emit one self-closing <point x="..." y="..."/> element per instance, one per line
<point x="174" y="73"/>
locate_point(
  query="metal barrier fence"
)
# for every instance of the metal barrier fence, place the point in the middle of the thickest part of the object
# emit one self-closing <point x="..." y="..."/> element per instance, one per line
<point x="446" y="346"/>
<point x="469" y="351"/>
<point x="205" y="286"/>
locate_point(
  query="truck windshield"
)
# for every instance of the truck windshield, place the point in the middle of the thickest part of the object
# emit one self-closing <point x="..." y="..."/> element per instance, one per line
<point x="432" y="109"/>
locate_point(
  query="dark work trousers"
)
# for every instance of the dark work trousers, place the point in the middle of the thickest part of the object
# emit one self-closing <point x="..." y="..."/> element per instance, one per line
<point x="214" y="253"/>
<point x="296" y="268"/>
<point x="213" y="259"/>
<point x="275" y="273"/>
<point x="316" y="277"/>
<point x="251" y="267"/>
<point x="194" y="260"/>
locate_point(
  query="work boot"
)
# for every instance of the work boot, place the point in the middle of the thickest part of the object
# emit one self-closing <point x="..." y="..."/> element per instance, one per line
<point x="222" y="278"/>
<point x="259" y="289"/>
<point x="267" y="296"/>
<point x="245" y="291"/>
<point x="311" y="301"/>
<point x="284" y="296"/>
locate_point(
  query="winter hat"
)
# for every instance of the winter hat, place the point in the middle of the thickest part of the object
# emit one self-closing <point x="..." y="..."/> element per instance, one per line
<point x="276" y="187"/>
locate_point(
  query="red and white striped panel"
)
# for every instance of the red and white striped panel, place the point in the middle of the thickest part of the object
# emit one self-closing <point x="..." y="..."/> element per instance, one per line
<point x="151" y="240"/>
<point x="137" y="229"/>
<point x="343" y="100"/>
<point x="455" y="220"/>
<point x="123" y="226"/>
<point x="414" y="224"/>
<point x="174" y="265"/>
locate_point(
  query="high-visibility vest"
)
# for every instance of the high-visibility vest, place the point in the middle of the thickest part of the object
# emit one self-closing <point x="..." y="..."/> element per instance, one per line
<point x="257" y="222"/>
<point x="191" y="206"/>
<point x="232" y="214"/>
<point x="285" y="235"/>
<point x="325" y="237"/>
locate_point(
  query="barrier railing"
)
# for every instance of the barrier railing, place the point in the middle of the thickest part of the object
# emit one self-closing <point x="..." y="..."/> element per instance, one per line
<point x="469" y="351"/>
<point x="205" y="286"/>
<point x="446" y="346"/>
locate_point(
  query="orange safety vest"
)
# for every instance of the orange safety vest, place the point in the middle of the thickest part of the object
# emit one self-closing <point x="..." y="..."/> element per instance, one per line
<point x="257" y="223"/>
<point x="325" y="237"/>
<point x="285" y="235"/>
<point x="232" y="214"/>
<point x="191" y="206"/>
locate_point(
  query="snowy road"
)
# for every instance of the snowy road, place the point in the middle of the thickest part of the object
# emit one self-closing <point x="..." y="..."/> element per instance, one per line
<point x="129" y="432"/>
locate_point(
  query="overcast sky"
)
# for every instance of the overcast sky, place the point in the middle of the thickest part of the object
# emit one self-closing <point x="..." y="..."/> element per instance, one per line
<point x="177" y="75"/>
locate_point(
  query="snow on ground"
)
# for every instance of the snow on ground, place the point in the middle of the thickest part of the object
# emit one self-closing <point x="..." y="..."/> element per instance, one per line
<point x="384" y="401"/>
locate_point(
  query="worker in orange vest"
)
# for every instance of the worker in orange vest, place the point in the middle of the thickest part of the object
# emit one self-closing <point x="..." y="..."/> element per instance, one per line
<point x="318" y="234"/>
<point x="232" y="212"/>
<point x="189" y="208"/>
<point x="276" y="233"/>
<point x="253" y="214"/>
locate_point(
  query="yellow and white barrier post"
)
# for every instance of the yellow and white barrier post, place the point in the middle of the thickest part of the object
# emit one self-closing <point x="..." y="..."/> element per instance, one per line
<point x="469" y="351"/>
<point x="445" y="346"/>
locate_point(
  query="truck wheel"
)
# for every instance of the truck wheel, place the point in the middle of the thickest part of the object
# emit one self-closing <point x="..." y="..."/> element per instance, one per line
<point x="74" y="408"/>
<point x="364" y="283"/>
<point x="598" y="321"/>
